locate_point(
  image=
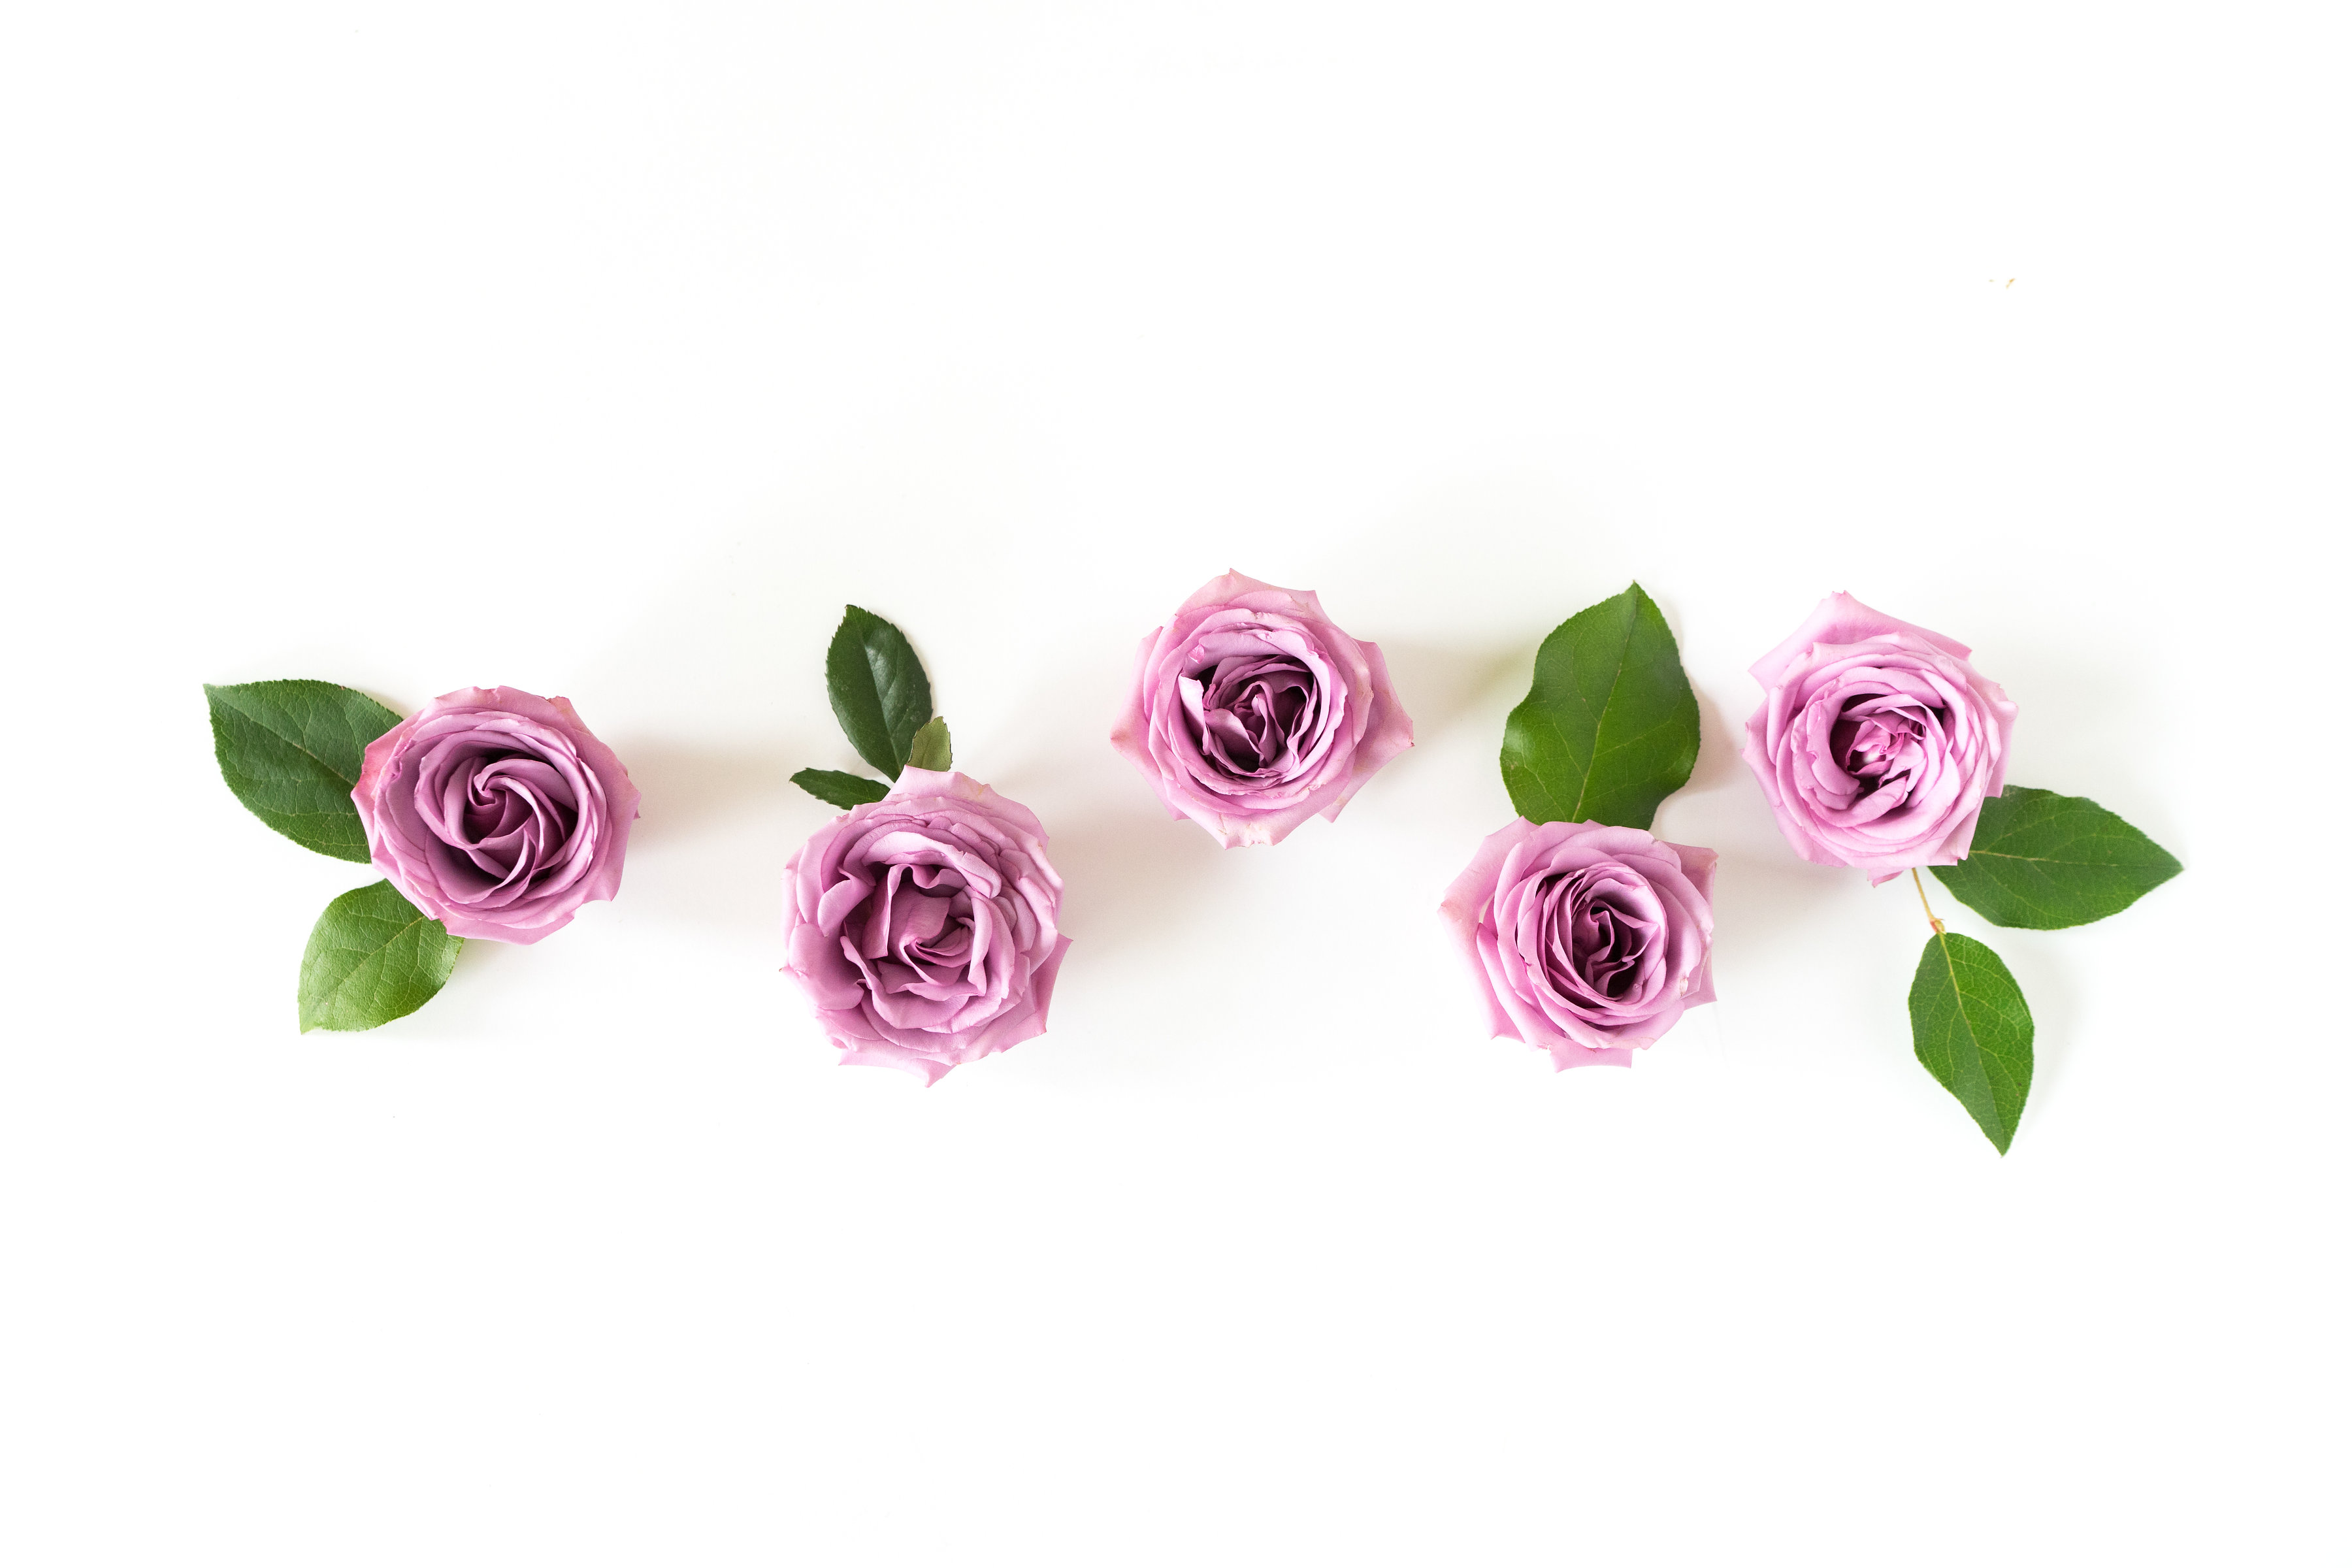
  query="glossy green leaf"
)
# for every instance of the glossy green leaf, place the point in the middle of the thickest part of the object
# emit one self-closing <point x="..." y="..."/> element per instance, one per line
<point x="931" y="749"/>
<point x="879" y="692"/>
<point x="291" y="750"/>
<point x="844" y="790"/>
<point x="2045" y="861"/>
<point x="1971" y="1029"/>
<point x="373" y="957"/>
<point x="1610" y="727"/>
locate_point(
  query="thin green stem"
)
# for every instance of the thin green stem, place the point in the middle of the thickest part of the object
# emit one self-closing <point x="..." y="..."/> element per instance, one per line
<point x="1923" y="901"/>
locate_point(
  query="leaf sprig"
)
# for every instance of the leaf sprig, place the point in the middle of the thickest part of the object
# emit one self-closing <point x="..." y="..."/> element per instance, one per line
<point x="291" y="751"/>
<point x="2038" y="860"/>
<point x="882" y="701"/>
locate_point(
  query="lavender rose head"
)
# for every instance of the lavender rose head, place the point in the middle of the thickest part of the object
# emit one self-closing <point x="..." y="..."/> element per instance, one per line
<point x="497" y="813"/>
<point x="1586" y="941"/>
<point x="923" y="925"/>
<point x="1878" y="741"/>
<point x="1252" y="712"/>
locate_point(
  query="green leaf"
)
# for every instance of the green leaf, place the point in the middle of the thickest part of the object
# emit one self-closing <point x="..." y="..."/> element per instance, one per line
<point x="1971" y="1029"/>
<point x="878" y="690"/>
<point x="931" y="749"/>
<point x="291" y="751"/>
<point x="1610" y="727"/>
<point x="2045" y="861"/>
<point x="844" y="790"/>
<point x="373" y="957"/>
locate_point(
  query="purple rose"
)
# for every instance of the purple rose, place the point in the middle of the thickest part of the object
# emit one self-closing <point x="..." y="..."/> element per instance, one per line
<point x="1587" y="941"/>
<point x="1876" y="743"/>
<point x="497" y="813"/>
<point x="923" y="925"/>
<point x="1252" y="712"/>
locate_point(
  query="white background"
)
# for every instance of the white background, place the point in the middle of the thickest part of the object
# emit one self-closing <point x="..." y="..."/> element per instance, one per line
<point x="608" y="351"/>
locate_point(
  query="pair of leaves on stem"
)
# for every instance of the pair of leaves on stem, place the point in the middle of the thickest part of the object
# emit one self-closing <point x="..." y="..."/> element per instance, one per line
<point x="291" y="751"/>
<point x="2039" y="861"/>
<point x="882" y="701"/>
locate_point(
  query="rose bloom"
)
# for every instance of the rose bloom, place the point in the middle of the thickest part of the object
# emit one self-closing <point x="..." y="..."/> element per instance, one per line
<point x="1252" y="712"/>
<point x="923" y="925"/>
<point x="1877" y="743"/>
<point x="1586" y="941"/>
<point x="497" y="813"/>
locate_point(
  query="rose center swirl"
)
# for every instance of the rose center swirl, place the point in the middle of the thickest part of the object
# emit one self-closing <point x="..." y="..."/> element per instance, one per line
<point x="506" y="811"/>
<point x="918" y="933"/>
<point x="1596" y="937"/>
<point x="1256" y="714"/>
<point x="1881" y="741"/>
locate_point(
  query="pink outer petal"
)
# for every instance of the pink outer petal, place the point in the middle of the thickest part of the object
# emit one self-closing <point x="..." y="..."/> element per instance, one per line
<point x="1759" y="758"/>
<point x="1567" y="1054"/>
<point x="881" y="1054"/>
<point x="1843" y="618"/>
<point x="1388" y="736"/>
<point x="1249" y="594"/>
<point x="913" y="781"/>
<point x="1134" y="725"/>
<point x="1465" y="909"/>
<point x="1698" y="865"/>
